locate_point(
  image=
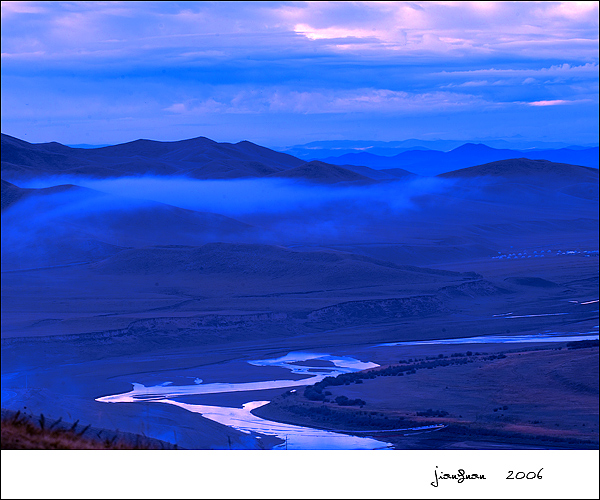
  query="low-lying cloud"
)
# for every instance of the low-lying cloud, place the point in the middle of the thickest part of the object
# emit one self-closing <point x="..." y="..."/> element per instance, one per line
<point x="245" y="197"/>
<point x="83" y="225"/>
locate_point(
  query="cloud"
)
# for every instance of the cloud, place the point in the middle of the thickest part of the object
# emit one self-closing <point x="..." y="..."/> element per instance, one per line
<point x="239" y="197"/>
<point x="11" y="9"/>
<point x="564" y="70"/>
<point x="196" y="107"/>
<point x="45" y="230"/>
<point x="443" y="28"/>
<point x="326" y="101"/>
<point x="449" y="28"/>
<point x="333" y="32"/>
<point x="576" y="11"/>
<point x="170" y="65"/>
<point x="556" y="102"/>
<point x="550" y="85"/>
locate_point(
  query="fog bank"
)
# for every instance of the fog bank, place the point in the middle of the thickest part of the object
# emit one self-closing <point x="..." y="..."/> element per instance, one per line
<point x="240" y="197"/>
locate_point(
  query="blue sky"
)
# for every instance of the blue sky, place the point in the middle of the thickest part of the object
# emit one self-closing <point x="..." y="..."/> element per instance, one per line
<point x="283" y="73"/>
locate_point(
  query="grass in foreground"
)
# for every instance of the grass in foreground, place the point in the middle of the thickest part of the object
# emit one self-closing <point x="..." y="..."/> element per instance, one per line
<point x="21" y="432"/>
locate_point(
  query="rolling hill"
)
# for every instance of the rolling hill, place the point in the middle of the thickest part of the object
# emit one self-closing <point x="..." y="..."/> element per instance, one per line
<point x="67" y="224"/>
<point x="524" y="167"/>
<point x="11" y="194"/>
<point x="202" y="158"/>
<point x="199" y="157"/>
<point x="269" y="264"/>
<point x="324" y="173"/>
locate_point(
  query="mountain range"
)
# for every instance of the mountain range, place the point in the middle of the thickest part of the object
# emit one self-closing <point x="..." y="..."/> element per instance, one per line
<point x="319" y="150"/>
<point x="171" y="264"/>
<point x="202" y="158"/>
<point x="65" y="223"/>
<point x="428" y="162"/>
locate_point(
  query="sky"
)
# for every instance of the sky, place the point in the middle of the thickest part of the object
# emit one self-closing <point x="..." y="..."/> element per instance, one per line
<point x="285" y="73"/>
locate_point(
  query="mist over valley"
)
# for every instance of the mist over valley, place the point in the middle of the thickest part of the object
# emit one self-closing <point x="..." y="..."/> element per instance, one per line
<point x="299" y="226"/>
<point x="179" y="263"/>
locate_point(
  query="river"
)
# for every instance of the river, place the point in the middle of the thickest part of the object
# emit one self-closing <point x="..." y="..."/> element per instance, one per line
<point x="316" y="366"/>
<point x="295" y="437"/>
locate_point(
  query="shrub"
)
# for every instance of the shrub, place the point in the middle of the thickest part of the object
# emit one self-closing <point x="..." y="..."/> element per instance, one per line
<point x="432" y="413"/>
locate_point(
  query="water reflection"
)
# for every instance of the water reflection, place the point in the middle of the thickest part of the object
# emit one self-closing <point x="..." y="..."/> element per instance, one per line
<point x="315" y="373"/>
<point x="294" y="436"/>
<point x="501" y="339"/>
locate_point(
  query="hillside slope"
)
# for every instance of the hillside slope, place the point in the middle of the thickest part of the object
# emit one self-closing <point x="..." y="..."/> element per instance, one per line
<point x="525" y="167"/>
<point x="324" y="173"/>
<point x="244" y="159"/>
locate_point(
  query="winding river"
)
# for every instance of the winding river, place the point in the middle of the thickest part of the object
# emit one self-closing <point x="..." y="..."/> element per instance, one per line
<point x="295" y="437"/>
<point x="315" y="366"/>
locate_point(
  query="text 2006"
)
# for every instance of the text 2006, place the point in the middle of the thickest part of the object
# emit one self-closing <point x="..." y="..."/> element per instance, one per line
<point x="525" y="475"/>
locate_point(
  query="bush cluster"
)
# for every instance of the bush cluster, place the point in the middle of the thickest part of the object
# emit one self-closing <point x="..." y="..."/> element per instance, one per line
<point x="495" y="356"/>
<point x="432" y="413"/>
<point x="580" y="344"/>
<point x="316" y="392"/>
<point x="344" y="401"/>
<point x="357" y="419"/>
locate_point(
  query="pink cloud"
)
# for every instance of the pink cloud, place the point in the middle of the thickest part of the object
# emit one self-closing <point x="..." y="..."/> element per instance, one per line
<point x="556" y="102"/>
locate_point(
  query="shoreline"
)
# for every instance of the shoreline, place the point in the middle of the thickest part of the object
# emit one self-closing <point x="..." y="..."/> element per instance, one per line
<point x="506" y="431"/>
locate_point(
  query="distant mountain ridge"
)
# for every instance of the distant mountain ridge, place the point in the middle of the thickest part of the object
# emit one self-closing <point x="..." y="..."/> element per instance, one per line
<point x="192" y="157"/>
<point x="321" y="150"/>
<point x="428" y="162"/>
<point x="203" y="158"/>
<point x="198" y="158"/>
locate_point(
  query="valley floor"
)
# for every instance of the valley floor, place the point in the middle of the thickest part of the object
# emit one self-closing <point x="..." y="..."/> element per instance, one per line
<point x="543" y="397"/>
<point x="117" y="332"/>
